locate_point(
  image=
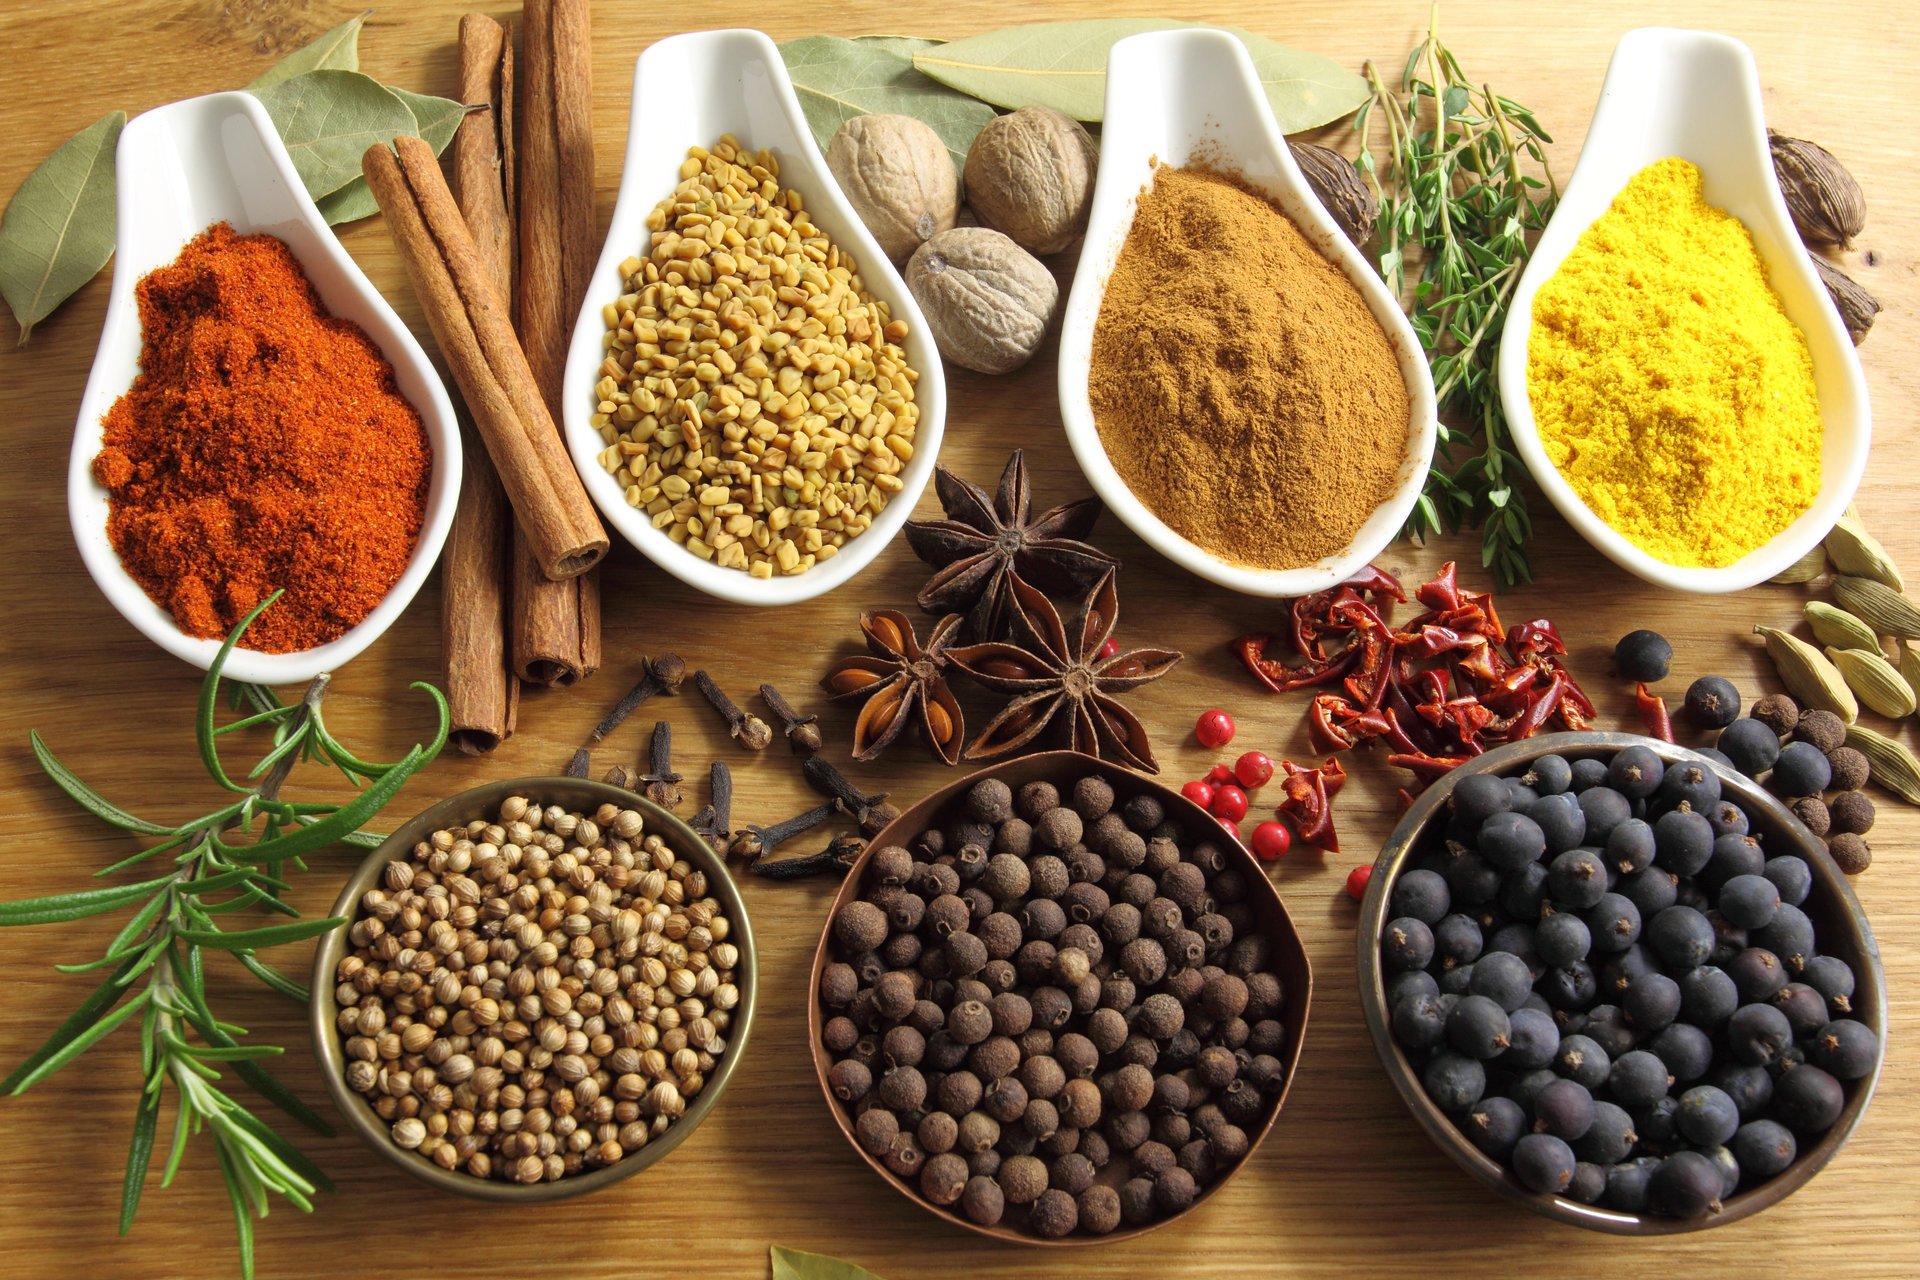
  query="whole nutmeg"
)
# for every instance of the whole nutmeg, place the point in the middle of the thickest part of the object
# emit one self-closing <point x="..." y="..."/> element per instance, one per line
<point x="899" y="178"/>
<point x="1030" y="174"/>
<point x="987" y="301"/>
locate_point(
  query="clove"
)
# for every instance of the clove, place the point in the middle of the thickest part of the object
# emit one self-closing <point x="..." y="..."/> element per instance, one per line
<point x="871" y="812"/>
<point x="803" y="732"/>
<point x="836" y="858"/>
<point x="749" y="730"/>
<point x="663" y="675"/>
<point x="714" y="822"/>
<point x="663" y="784"/>
<point x="751" y="841"/>
<point x="577" y="767"/>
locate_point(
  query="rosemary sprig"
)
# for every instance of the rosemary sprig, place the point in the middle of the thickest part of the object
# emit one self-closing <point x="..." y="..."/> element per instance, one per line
<point x="1458" y="199"/>
<point x="228" y="860"/>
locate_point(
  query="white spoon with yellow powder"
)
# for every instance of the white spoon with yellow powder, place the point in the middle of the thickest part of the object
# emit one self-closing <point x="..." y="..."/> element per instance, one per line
<point x="1701" y="454"/>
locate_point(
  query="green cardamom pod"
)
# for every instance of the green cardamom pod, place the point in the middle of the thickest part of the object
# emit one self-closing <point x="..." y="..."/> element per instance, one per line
<point x="1873" y="680"/>
<point x="1853" y="550"/>
<point x="1910" y="666"/>
<point x="1808" y="567"/>
<point x="1808" y="675"/>
<point x="1878" y="605"/>
<point x="1892" y="765"/>
<point x="1838" y="628"/>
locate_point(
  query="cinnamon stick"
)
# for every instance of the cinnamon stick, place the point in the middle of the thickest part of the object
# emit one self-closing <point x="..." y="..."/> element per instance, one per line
<point x="556" y="625"/>
<point x="483" y="693"/>
<point x="469" y="320"/>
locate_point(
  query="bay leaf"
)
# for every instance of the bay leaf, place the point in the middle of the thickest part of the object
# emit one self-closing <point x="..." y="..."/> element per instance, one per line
<point x="796" y="1264"/>
<point x="335" y="50"/>
<point x="1064" y="65"/>
<point x="837" y="79"/>
<point x="349" y="204"/>
<point x="435" y="119"/>
<point x="328" y="119"/>
<point x="59" y="226"/>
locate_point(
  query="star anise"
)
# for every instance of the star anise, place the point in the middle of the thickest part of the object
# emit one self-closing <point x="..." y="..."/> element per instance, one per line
<point x="1059" y="678"/>
<point x="901" y="682"/>
<point x="986" y="544"/>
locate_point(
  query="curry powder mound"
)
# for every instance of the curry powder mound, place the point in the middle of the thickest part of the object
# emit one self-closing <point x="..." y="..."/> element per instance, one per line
<point x="1240" y="384"/>
<point x="1668" y="385"/>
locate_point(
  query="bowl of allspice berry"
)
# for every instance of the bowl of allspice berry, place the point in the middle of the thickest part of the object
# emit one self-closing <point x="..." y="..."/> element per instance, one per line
<point x="1055" y="1004"/>
<point x="543" y="988"/>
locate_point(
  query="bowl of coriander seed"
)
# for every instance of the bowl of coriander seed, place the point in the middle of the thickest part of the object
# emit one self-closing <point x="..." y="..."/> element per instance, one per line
<point x="543" y="987"/>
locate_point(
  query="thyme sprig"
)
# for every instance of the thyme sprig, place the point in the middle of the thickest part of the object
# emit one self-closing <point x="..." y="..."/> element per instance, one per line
<point x="229" y="860"/>
<point x="1459" y="197"/>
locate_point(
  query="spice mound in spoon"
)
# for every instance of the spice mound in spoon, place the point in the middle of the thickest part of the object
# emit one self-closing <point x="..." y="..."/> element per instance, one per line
<point x="1240" y="384"/>
<point x="264" y="446"/>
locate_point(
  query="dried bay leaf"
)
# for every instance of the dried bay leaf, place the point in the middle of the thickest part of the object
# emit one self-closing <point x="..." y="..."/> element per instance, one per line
<point x="328" y="119"/>
<point x="796" y="1264"/>
<point x="1064" y="65"/>
<point x="837" y="79"/>
<point x="59" y="226"/>
<point x="435" y="119"/>
<point x="335" y="50"/>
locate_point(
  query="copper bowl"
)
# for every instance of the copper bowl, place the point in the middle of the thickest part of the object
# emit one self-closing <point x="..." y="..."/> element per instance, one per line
<point x="582" y="796"/>
<point x="1839" y="923"/>
<point x="1289" y="961"/>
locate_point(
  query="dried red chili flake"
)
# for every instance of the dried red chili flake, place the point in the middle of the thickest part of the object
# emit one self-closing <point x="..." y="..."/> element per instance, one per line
<point x="1653" y="713"/>
<point x="1437" y="690"/>
<point x="1309" y="803"/>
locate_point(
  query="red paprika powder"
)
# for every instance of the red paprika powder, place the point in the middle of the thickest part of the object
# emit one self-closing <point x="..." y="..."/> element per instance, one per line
<point x="264" y="446"/>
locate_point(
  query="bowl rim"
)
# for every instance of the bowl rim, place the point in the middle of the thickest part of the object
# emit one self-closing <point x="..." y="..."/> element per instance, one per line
<point x="1857" y="933"/>
<point x="87" y="504"/>
<point x="735" y="51"/>
<point x="1050" y="765"/>
<point x="487" y="797"/>
<point x="1820" y="325"/>
<point x="1115" y="202"/>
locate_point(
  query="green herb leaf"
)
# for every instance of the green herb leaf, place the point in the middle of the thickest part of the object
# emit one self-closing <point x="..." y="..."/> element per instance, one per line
<point x="328" y="119"/>
<point x="335" y="50"/>
<point x="139" y="1154"/>
<point x="271" y="935"/>
<point x="1063" y="65"/>
<point x="83" y="1042"/>
<point x="838" y="79"/>
<point x="104" y="997"/>
<point x="275" y="979"/>
<point x="347" y="818"/>
<point x="795" y="1264"/>
<point x="74" y="906"/>
<point x="59" y="226"/>
<point x="86" y="797"/>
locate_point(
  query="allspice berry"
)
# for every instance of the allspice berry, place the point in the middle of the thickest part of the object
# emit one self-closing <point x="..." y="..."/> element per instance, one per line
<point x="1136" y="1201"/>
<point x="890" y="864"/>
<point x="969" y="1022"/>
<point x="1132" y="1088"/>
<point x="990" y="800"/>
<point x="982" y="1201"/>
<point x="1159" y="1016"/>
<point x="1035" y="799"/>
<point x="943" y="1178"/>
<point x="1224" y="996"/>
<point x="1054" y="1214"/>
<point x="1853" y="812"/>
<point x="1174" y="1190"/>
<point x="860" y="926"/>
<point x="978" y="1131"/>
<point x="1079" y="1103"/>
<point x="1022" y="1178"/>
<point x="1850" y="852"/>
<point x="1823" y="729"/>
<point x="849" y="1080"/>
<point x="1072" y="1173"/>
<point x="838" y="984"/>
<point x="1006" y="876"/>
<point x="875" y="1129"/>
<point x="1030" y="174"/>
<point x="894" y="995"/>
<point x="898" y="176"/>
<point x="937" y="1132"/>
<point x="903" y="1089"/>
<point x="1850" y="769"/>
<point x="1778" y="712"/>
<point x="1099" y="1209"/>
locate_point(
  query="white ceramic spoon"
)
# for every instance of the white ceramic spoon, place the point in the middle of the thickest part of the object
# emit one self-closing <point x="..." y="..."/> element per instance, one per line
<point x="1172" y="95"/>
<point x="690" y="90"/>
<point x="180" y="169"/>
<point x="1695" y="95"/>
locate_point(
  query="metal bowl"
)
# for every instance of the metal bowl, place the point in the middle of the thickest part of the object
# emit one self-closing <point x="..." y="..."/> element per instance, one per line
<point x="582" y="796"/>
<point x="1289" y="961"/>
<point x="1841" y="926"/>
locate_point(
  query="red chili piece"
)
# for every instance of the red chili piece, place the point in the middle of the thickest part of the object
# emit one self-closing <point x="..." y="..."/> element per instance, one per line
<point x="1653" y="713"/>
<point x="1309" y="803"/>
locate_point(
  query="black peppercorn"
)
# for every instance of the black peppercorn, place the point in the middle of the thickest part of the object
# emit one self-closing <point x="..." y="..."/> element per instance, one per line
<point x="1054" y="1213"/>
<point x="1076" y="1055"/>
<point x="978" y="1131"/>
<point x="1040" y="1118"/>
<point x="860" y="926"/>
<point x="943" y="1178"/>
<point x="1058" y="829"/>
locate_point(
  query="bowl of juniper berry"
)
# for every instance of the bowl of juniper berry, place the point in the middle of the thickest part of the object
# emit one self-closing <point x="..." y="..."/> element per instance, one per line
<point x="1577" y="1154"/>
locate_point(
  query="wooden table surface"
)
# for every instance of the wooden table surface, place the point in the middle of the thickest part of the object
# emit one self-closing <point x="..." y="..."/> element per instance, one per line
<point x="1346" y="1183"/>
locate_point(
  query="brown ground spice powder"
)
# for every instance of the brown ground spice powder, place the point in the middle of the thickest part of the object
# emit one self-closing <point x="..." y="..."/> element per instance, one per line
<point x="1240" y="384"/>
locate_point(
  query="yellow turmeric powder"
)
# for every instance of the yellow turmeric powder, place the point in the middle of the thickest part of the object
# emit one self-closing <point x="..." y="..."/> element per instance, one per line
<point x="1667" y="383"/>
